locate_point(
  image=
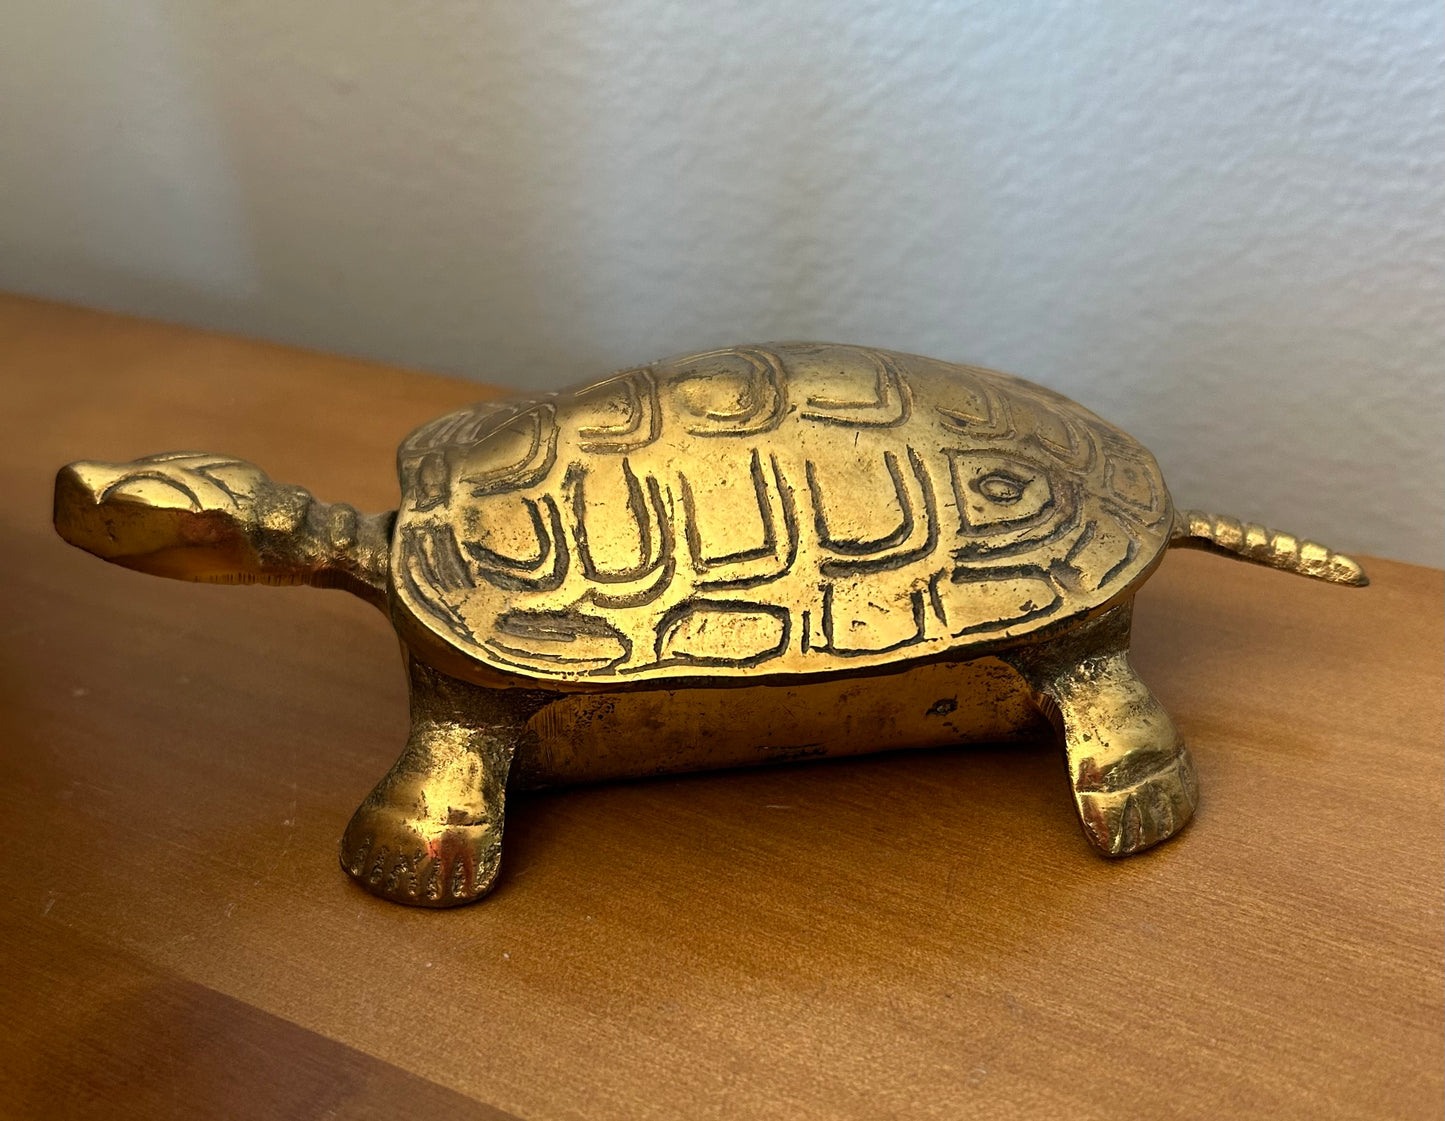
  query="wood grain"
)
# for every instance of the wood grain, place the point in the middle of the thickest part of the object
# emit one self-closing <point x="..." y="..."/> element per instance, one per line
<point x="916" y="935"/>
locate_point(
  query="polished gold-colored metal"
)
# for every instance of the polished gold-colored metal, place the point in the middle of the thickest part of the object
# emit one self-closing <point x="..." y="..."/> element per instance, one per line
<point x="756" y="554"/>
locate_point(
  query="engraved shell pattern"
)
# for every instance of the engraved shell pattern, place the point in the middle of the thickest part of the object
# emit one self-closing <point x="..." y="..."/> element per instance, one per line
<point x="798" y="508"/>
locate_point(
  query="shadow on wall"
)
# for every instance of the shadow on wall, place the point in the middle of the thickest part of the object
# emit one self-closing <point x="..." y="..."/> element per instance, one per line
<point x="475" y="191"/>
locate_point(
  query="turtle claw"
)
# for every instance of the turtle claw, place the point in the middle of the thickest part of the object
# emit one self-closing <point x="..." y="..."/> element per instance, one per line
<point x="419" y="862"/>
<point x="1139" y="816"/>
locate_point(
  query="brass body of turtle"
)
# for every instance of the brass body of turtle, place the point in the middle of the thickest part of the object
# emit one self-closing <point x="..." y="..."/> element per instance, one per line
<point x="748" y="555"/>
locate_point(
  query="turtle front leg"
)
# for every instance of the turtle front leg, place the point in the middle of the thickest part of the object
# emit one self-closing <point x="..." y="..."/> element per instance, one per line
<point x="430" y="833"/>
<point x="1134" y="782"/>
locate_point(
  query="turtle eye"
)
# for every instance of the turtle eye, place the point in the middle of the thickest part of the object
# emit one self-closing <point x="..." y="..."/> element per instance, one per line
<point x="1001" y="487"/>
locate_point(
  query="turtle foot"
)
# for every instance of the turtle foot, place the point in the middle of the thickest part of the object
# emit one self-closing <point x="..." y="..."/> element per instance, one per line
<point x="430" y="832"/>
<point x="1120" y="820"/>
<point x="1133" y="781"/>
<point x="423" y="862"/>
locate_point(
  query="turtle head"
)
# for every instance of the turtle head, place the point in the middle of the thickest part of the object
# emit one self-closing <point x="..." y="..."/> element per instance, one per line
<point x="186" y="515"/>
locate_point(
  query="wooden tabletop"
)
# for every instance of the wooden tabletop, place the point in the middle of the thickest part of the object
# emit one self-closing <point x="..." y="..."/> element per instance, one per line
<point x="913" y="935"/>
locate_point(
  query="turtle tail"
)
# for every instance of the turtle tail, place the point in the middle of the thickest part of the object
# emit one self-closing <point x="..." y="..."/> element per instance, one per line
<point x="1219" y="533"/>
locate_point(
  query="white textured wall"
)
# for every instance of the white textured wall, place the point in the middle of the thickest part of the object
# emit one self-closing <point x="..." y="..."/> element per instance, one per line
<point x="1216" y="223"/>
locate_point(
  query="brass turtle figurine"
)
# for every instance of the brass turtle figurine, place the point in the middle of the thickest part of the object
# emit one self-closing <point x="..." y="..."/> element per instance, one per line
<point x="753" y="554"/>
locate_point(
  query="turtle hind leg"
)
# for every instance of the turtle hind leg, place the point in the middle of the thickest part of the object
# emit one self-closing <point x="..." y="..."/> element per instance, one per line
<point x="430" y="833"/>
<point x="1133" y="780"/>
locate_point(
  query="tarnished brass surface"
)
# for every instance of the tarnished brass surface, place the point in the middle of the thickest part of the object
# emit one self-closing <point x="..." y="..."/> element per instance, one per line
<point x="751" y="554"/>
<point x="668" y="731"/>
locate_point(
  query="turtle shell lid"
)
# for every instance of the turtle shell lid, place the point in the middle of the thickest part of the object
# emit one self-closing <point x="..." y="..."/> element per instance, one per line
<point x="788" y="509"/>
